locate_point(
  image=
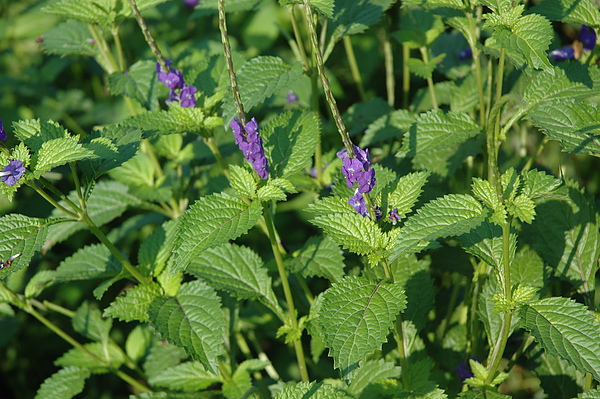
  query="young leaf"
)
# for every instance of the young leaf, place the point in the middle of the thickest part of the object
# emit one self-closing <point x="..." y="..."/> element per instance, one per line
<point x="389" y="126"/>
<point x="572" y="122"/>
<point x="566" y="329"/>
<point x="23" y="236"/>
<point x="70" y="38"/>
<point x="319" y="256"/>
<point x="64" y="384"/>
<point x="139" y="83"/>
<point x="356" y="316"/>
<point x="522" y="207"/>
<point x="290" y="141"/>
<point x="176" y="120"/>
<point x="451" y="215"/>
<point x="134" y="303"/>
<point x="211" y="221"/>
<point x="242" y="182"/>
<point x="89" y="322"/>
<point x="108" y="356"/>
<point x="537" y="183"/>
<point x="185" y="377"/>
<point x="407" y="192"/>
<point x="258" y="79"/>
<point x="483" y="190"/>
<point x="237" y="270"/>
<point x="192" y="320"/>
<point x="312" y="390"/>
<point x="97" y="12"/>
<point x="139" y="342"/>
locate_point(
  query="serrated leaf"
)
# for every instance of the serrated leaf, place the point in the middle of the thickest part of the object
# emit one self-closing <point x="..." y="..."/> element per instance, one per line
<point x="192" y="320"/>
<point x="211" y="221"/>
<point x="138" y="82"/>
<point x="70" y="38"/>
<point x="451" y="215"/>
<point x="23" y="236"/>
<point x="89" y="262"/>
<point x="579" y="12"/>
<point x="139" y="342"/>
<point x="237" y="270"/>
<point x="137" y="171"/>
<point x="526" y="41"/>
<point x="99" y="12"/>
<point x="270" y="192"/>
<point x="176" y="120"/>
<point x="107" y="356"/>
<point x="555" y="84"/>
<point x="573" y="122"/>
<point x="485" y="241"/>
<point x="498" y="6"/>
<point x="64" y="384"/>
<point x="390" y="126"/>
<point x="321" y="257"/>
<point x="311" y="390"/>
<point x="422" y="69"/>
<point x="59" y="152"/>
<point x="557" y="377"/>
<point x="356" y="316"/>
<point x="487" y="313"/>
<point x="566" y="236"/>
<point x="565" y="329"/>
<point x="290" y="141"/>
<point x="537" y="183"/>
<point x="134" y="303"/>
<point x="156" y="249"/>
<point x="258" y="79"/>
<point x="407" y="192"/>
<point x="162" y="356"/>
<point x="527" y="267"/>
<point x="236" y="386"/>
<point x="185" y="377"/>
<point x="242" y="181"/>
<point x="88" y="322"/>
<point x="522" y="207"/>
<point x="370" y="372"/>
<point x="108" y="201"/>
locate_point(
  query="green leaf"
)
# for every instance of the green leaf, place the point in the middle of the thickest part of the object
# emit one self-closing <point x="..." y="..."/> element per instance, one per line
<point x="370" y="372"/>
<point x="192" y="320"/>
<point x="451" y="215"/>
<point x="242" y="182"/>
<point x="412" y="274"/>
<point x="573" y="122"/>
<point x="89" y="262"/>
<point x="89" y="323"/>
<point x="485" y="241"/>
<point x="527" y="267"/>
<point x="482" y="394"/>
<point x="22" y="236"/>
<point x="290" y="141"/>
<point x="64" y="384"/>
<point x="500" y="6"/>
<point x="319" y="256"/>
<point x="407" y="192"/>
<point x="555" y="84"/>
<point x="565" y="234"/>
<point x="526" y="41"/>
<point x="325" y="7"/>
<point x="137" y="171"/>
<point x="566" y="329"/>
<point x="156" y="249"/>
<point x="236" y="386"/>
<point x="70" y="38"/>
<point x="576" y="11"/>
<point x="211" y="221"/>
<point x="483" y="190"/>
<point x="389" y="126"/>
<point x="237" y="270"/>
<point x="134" y="303"/>
<point x="270" y="192"/>
<point x="139" y="342"/>
<point x="419" y="27"/>
<point x="522" y="207"/>
<point x="59" y="152"/>
<point x="142" y="5"/>
<point x="139" y="83"/>
<point x="311" y="390"/>
<point x="329" y="205"/>
<point x="108" y="354"/>
<point x="162" y="356"/>
<point x="487" y="313"/>
<point x="108" y="201"/>
<point x="356" y="316"/>
<point x="537" y="183"/>
<point x="185" y="377"/>
<point x="101" y="12"/>
<point x="258" y="79"/>
<point x="422" y="69"/>
<point x="352" y="17"/>
<point x="176" y="120"/>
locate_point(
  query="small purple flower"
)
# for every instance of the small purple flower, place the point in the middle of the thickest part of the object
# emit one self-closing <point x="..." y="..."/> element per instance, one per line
<point x="171" y="80"/>
<point x="463" y="370"/>
<point x="12" y="172"/>
<point x="465" y="54"/>
<point x="358" y="203"/>
<point x="158" y="67"/>
<point x="291" y="97"/>
<point x="565" y="53"/>
<point x="191" y="3"/>
<point x="358" y="169"/>
<point x="188" y="100"/>
<point x="395" y="216"/>
<point x="2" y="132"/>
<point x="251" y="144"/>
<point x="588" y="37"/>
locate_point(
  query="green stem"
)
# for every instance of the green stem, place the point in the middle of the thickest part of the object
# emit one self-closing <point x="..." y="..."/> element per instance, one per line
<point x="148" y="36"/>
<point x="237" y="98"/>
<point x="390" y="80"/>
<point x="405" y="75"/>
<point x="106" y="60"/>
<point x="354" y="67"/>
<point x="451" y="305"/>
<point x="47" y="184"/>
<point x="425" y="55"/>
<point x="402" y="352"/>
<point x="51" y="200"/>
<point x="114" y="31"/>
<point x="535" y="156"/>
<point x="299" y="41"/>
<point x="493" y="131"/>
<point x="293" y="317"/>
<point x="113" y="250"/>
<point x="473" y="39"/>
<point x="314" y="84"/>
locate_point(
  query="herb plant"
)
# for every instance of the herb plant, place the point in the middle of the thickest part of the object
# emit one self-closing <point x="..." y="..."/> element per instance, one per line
<point x="303" y="199"/>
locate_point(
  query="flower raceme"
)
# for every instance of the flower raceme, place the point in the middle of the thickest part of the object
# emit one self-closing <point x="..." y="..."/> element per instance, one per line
<point x="12" y="172"/>
<point x="358" y="170"/>
<point x="179" y="91"/>
<point x="251" y="144"/>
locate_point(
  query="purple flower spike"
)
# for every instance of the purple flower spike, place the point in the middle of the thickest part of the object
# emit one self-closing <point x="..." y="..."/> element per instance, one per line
<point x="565" y="53"/>
<point x="2" y="132"/>
<point x="465" y="54"/>
<point x="358" y="203"/>
<point x="12" y="172"/>
<point x="395" y="216"/>
<point x="188" y="100"/>
<point x="588" y="37"/>
<point x="358" y="170"/>
<point x="251" y="144"/>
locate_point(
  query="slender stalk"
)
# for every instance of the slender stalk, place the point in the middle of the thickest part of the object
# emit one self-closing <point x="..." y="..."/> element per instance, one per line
<point x="48" y="185"/>
<point x="354" y="67"/>
<point x="243" y="345"/>
<point x="451" y="305"/>
<point x="405" y="75"/>
<point x="390" y="80"/>
<point x="148" y="36"/>
<point x="51" y="200"/>
<point x="293" y="317"/>
<point x="314" y="85"/>
<point x="113" y="250"/>
<point x="537" y="153"/>
<point x="114" y="31"/>
<point x="298" y="37"/>
<point x="493" y="131"/>
<point x="402" y="345"/>
<point x="107" y="60"/>
<point x="237" y="98"/>
<point x="425" y="55"/>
